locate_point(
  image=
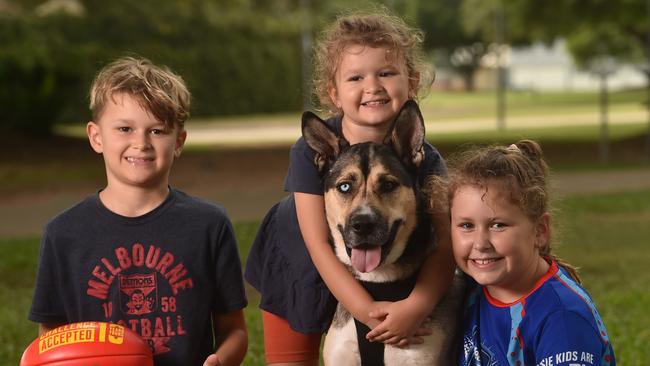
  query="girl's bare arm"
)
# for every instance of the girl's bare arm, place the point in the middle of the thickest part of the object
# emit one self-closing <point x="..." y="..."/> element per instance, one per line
<point x="313" y="226"/>
<point x="402" y="319"/>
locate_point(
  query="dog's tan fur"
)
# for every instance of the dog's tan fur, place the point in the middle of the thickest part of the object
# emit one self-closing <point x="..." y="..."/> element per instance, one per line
<point x="401" y="204"/>
<point x="378" y="190"/>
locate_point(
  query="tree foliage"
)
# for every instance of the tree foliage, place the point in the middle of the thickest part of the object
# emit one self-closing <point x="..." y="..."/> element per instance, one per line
<point x="592" y="27"/>
<point x="237" y="56"/>
<point x="38" y="73"/>
<point x="234" y="61"/>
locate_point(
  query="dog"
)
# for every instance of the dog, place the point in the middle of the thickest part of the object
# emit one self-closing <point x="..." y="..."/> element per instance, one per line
<point x="380" y="230"/>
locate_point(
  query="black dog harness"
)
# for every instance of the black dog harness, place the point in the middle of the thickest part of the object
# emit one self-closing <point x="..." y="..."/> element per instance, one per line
<point x="372" y="353"/>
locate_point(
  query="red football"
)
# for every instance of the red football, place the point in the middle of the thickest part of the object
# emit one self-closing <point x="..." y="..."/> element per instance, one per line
<point x="88" y="343"/>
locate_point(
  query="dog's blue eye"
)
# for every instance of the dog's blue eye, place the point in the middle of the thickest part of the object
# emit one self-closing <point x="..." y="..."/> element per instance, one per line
<point x="344" y="187"/>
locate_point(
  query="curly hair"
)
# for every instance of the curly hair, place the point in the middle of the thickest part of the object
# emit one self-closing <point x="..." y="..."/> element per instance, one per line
<point x="157" y="89"/>
<point x="519" y="169"/>
<point x="374" y="30"/>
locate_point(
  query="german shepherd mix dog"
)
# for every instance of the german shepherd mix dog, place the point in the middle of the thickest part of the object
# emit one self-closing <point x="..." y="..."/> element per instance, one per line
<point x="380" y="230"/>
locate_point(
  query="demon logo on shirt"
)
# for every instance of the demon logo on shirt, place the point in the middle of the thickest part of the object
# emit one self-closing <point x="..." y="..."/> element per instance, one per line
<point x="138" y="293"/>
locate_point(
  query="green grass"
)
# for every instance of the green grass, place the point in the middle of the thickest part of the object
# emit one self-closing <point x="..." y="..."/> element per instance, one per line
<point x="21" y="176"/>
<point x="564" y="134"/>
<point x="17" y="270"/>
<point x="605" y="235"/>
<point x="447" y="105"/>
<point x="450" y="105"/>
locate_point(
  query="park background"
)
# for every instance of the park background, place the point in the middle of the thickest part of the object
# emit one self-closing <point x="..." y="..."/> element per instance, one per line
<point x="572" y="74"/>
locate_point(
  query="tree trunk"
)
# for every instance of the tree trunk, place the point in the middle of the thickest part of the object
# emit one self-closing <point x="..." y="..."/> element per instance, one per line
<point x="647" y="142"/>
<point x="604" y="124"/>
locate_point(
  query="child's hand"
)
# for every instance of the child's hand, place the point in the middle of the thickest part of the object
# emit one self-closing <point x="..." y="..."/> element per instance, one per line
<point x="401" y="323"/>
<point x="212" y="360"/>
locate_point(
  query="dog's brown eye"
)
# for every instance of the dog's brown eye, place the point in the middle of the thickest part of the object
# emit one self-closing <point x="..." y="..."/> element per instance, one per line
<point x="344" y="187"/>
<point x="387" y="186"/>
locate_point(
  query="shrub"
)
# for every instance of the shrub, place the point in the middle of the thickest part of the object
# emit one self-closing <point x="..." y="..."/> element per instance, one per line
<point x="233" y="62"/>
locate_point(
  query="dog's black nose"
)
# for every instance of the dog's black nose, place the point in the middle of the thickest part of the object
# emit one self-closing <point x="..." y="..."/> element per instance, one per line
<point x="363" y="224"/>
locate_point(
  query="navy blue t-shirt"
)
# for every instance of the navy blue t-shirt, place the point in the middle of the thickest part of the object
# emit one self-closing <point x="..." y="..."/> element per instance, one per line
<point x="161" y="274"/>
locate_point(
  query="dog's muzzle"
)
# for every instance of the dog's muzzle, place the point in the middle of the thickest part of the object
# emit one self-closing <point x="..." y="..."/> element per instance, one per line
<point x="365" y="234"/>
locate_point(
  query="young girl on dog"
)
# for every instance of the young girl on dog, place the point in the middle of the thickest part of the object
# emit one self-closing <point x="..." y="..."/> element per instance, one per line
<point x="367" y="67"/>
<point x="528" y="307"/>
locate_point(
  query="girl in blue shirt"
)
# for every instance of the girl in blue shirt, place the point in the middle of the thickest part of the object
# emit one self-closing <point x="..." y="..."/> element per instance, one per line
<point x="527" y="307"/>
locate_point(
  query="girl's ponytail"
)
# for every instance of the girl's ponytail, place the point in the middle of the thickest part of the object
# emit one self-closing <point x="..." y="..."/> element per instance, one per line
<point x="571" y="270"/>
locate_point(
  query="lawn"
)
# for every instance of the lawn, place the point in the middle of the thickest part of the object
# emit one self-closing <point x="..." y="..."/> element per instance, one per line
<point x="605" y="235"/>
<point x="452" y="105"/>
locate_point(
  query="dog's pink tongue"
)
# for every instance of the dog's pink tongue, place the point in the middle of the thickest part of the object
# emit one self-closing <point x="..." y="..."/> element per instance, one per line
<point x="366" y="260"/>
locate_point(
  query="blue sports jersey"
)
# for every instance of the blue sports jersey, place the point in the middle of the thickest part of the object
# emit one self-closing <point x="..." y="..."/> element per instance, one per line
<point x="555" y="324"/>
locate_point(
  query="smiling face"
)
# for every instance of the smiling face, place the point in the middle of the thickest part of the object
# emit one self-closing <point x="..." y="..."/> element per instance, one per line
<point x="138" y="149"/>
<point x="371" y="85"/>
<point x="496" y="243"/>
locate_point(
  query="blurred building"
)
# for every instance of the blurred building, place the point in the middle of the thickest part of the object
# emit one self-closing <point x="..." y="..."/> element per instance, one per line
<point x="541" y="68"/>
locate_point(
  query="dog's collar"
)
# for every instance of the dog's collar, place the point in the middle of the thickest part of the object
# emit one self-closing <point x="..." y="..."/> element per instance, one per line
<point x="390" y="291"/>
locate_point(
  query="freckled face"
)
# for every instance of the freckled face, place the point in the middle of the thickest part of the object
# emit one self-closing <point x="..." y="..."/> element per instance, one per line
<point x="496" y="243"/>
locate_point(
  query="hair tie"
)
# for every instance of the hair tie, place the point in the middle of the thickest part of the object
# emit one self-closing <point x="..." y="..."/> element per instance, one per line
<point x="513" y="147"/>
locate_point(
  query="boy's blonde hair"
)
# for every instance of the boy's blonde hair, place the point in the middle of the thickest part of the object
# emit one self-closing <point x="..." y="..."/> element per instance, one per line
<point x="519" y="169"/>
<point x="157" y="89"/>
<point x="374" y="30"/>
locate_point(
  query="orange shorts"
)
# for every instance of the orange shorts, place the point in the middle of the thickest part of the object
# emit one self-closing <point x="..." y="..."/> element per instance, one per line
<point x="283" y="344"/>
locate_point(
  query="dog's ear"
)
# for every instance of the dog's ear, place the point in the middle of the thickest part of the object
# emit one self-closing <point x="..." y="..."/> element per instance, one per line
<point x="322" y="139"/>
<point x="407" y="134"/>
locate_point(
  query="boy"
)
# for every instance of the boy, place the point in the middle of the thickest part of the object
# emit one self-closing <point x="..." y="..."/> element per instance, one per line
<point x="140" y="253"/>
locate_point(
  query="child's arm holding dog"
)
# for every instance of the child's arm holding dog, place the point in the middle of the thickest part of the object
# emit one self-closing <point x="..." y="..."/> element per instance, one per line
<point x="313" y="226"/>
<point x="402" y="318"/>
<point x="310" y="209"/>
